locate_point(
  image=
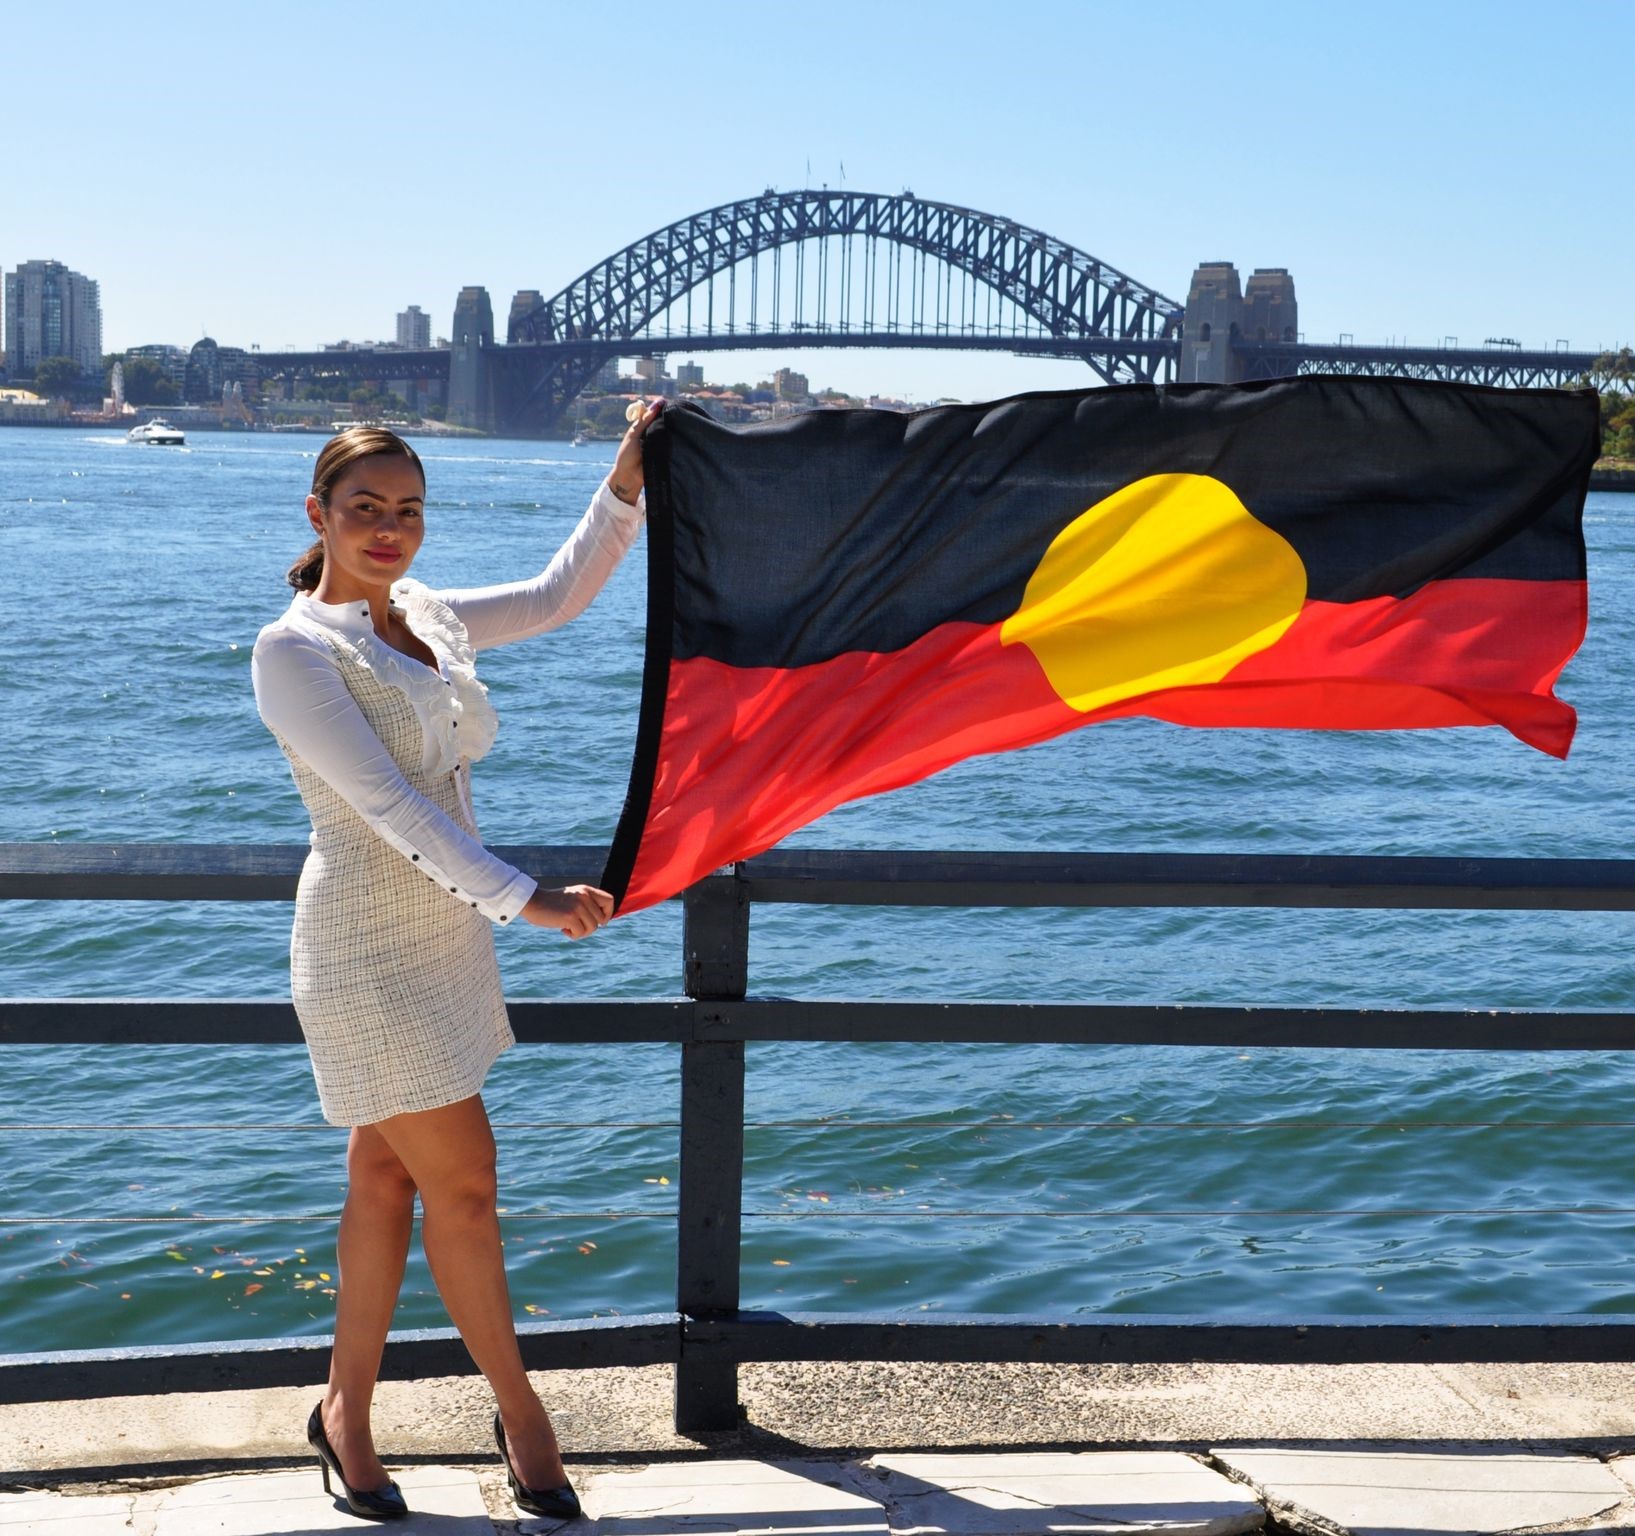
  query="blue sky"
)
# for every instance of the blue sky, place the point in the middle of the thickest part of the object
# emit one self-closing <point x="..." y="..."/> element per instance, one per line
<point x="294" y="173"/>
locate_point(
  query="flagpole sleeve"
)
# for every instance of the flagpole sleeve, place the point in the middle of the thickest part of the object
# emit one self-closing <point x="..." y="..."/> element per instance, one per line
<point x="516" y="610"/>
<point x="305" y="703"/>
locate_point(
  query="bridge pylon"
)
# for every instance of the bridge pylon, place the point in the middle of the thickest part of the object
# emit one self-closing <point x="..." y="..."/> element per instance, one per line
<point x="1220" y="314"/>
<point x="471" y="372"/>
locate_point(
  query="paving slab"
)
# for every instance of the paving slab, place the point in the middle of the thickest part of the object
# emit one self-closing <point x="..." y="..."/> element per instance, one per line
<point x="443" y="1500"/>
<point x="64" y="1514"/>
<point x="736" y="1498"/>
<point x="1404" y="1493"/>
<point x="1106" y="1492"/>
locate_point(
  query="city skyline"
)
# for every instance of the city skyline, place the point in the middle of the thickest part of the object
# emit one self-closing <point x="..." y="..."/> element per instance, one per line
<point x="1422" y="172"/>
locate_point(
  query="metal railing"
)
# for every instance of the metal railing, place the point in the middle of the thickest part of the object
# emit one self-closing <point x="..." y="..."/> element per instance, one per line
<point x="708" y="1335"/>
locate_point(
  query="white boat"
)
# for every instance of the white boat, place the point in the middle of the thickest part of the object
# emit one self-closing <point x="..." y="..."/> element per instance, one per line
<point x="579" y="440"/>
<point x="156" y="431"/>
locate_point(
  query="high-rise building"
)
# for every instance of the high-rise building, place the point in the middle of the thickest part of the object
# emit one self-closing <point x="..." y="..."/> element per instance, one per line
<point x="690" y="375"/>
<point x="51" y="312"/>
<point x="414" y="329"/>
<point x="789" y="385"/>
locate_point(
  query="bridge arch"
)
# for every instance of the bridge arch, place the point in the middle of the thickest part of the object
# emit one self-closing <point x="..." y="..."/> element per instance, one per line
<point x="1052" y="296"/>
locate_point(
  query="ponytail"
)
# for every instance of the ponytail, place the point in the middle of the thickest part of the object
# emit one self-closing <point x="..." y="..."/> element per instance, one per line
<point x="304" y="574"/>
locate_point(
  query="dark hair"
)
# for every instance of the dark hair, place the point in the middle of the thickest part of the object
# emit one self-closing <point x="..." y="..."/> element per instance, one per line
<point x="339" y="454"/>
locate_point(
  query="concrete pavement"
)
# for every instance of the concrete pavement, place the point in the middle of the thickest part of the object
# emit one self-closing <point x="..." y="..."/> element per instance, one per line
<point x="882" y="1449"/>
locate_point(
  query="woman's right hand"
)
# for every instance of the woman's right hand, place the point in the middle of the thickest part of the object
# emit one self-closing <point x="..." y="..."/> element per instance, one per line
<point x="577" y="910"/>
<point x="625" y="478"/>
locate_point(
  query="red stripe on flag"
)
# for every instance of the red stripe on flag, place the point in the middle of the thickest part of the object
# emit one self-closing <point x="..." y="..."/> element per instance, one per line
<point x="1477" y="634"/>
<point x="748" y="755"/>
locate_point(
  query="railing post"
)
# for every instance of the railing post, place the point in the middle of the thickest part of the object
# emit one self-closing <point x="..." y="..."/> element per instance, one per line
<point x="715" y="945"/>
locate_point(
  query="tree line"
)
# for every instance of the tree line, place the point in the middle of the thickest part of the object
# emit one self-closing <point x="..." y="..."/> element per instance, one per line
<point x="1616" y="370"/>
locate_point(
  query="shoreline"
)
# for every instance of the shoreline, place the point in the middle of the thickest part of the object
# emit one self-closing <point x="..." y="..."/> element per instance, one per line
<point x="1614" y="477"/>
<point x="69" y="423"/>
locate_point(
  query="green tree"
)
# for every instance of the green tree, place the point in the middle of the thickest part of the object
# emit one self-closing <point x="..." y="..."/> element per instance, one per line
<point x="1618" y="365"/>
<point x="1613" y="374"/>
<point x="147" y="383"/>
<point x="56" y="376"/>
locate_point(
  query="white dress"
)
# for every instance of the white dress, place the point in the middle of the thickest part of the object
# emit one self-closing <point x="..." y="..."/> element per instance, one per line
<point x="392" y="966"/>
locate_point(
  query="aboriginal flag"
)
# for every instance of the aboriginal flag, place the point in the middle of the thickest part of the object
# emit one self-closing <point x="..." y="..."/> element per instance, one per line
<point x="843" y="602"/>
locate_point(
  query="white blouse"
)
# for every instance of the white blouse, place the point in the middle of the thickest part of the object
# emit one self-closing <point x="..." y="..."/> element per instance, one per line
<point x="305" y="703"/>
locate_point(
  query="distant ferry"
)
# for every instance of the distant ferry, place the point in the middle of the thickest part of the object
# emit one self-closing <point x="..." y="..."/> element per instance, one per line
<point x="156" y="431"/>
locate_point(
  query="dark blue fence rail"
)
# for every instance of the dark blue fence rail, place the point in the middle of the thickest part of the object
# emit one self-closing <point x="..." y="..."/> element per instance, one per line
<point x="708" y="1336"/>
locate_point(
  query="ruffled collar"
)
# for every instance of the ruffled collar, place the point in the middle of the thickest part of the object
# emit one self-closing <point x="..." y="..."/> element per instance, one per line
<point x="456" y="717"/>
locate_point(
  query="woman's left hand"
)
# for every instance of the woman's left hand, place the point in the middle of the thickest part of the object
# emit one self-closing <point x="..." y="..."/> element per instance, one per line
<point x="625" y="479"/>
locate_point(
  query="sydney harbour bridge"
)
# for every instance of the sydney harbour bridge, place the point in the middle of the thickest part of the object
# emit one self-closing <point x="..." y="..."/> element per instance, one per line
<point x="826" y="268"/>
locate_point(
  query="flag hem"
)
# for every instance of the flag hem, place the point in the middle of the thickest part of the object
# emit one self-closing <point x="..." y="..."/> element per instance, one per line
<point x="627" y="835"/>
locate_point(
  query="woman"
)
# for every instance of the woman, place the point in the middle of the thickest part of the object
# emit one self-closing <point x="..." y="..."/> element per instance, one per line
<point x="369" y="686"/>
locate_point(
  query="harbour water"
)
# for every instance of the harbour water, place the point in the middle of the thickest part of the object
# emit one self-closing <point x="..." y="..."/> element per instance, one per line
<point x="164" y="1194"/>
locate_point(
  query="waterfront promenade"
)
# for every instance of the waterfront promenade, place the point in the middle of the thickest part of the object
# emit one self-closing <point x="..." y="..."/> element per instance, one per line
<point x="879" y="1447"/>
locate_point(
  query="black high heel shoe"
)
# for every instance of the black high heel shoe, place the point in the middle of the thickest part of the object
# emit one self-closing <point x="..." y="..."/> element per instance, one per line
<point x="555" y="1503"/>
<point x="386" y="1504"/>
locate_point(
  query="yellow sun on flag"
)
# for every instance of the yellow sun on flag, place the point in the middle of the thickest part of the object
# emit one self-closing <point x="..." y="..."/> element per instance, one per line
<point x="1166" y="583"/>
